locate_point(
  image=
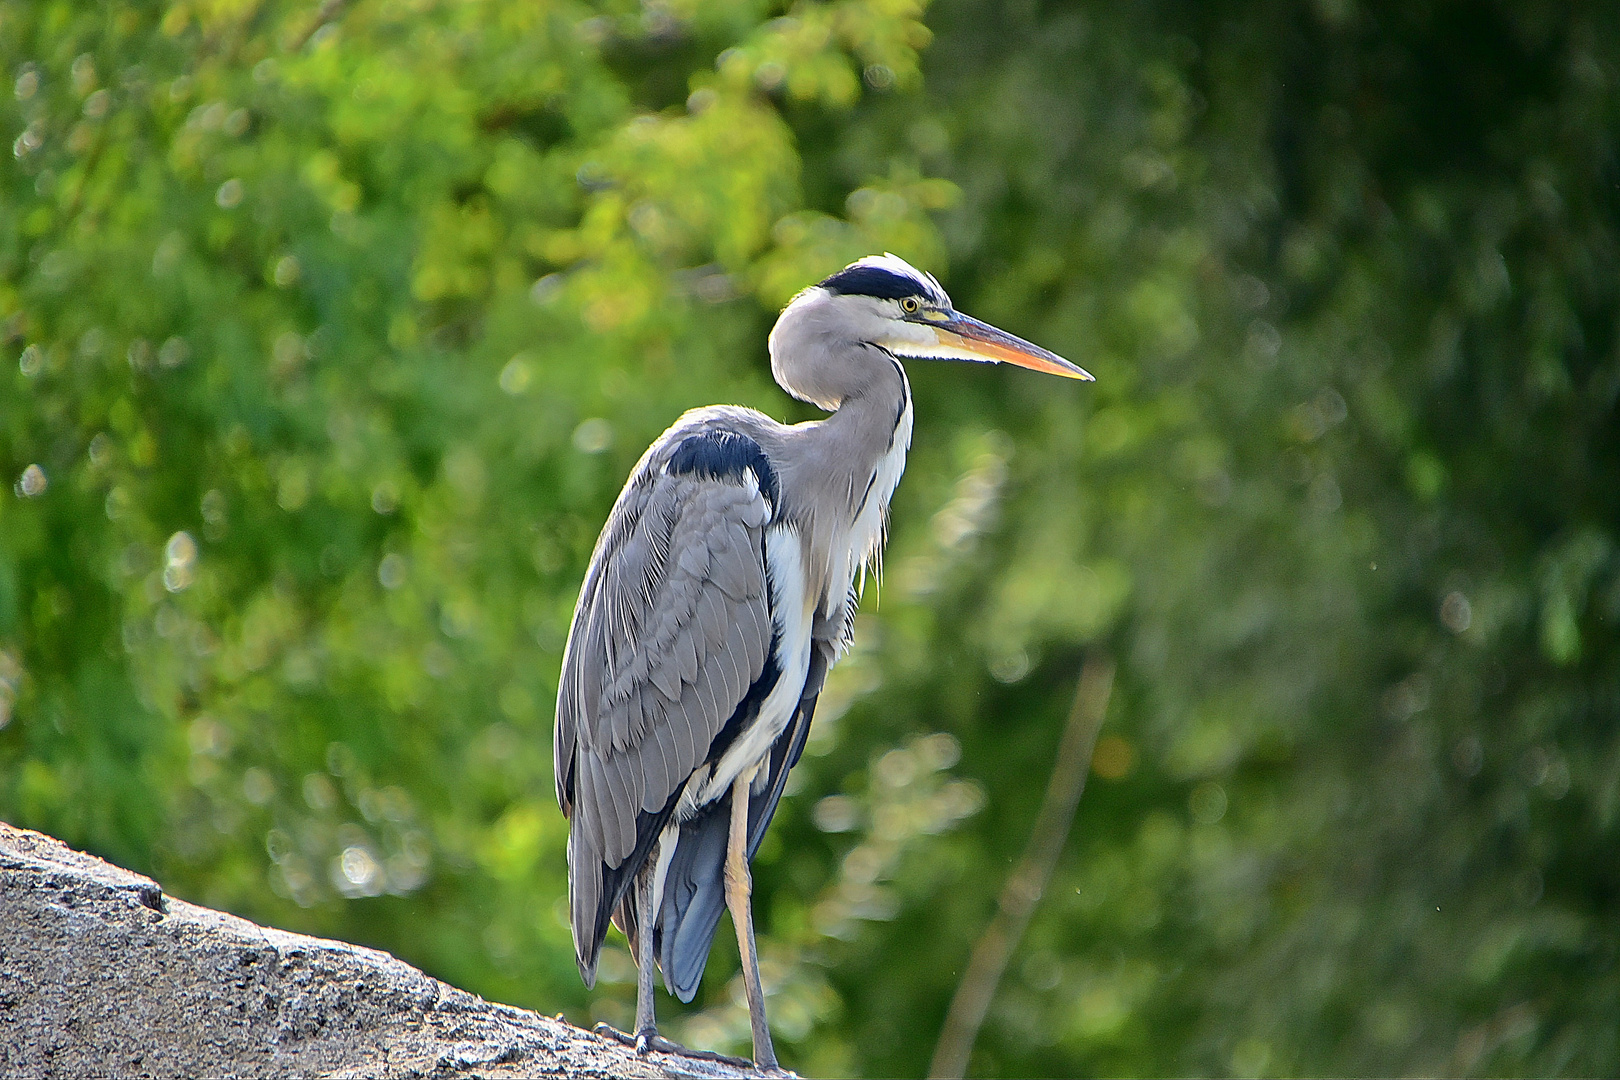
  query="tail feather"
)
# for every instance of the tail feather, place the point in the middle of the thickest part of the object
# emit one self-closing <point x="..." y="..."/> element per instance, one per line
<point x="694" y="897"/>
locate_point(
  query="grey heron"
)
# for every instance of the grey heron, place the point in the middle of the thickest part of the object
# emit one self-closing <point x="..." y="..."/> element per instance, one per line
<point x="720" y="592"/>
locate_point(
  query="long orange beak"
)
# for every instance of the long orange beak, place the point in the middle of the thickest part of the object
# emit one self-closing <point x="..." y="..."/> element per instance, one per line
<point x="966" y="338"/>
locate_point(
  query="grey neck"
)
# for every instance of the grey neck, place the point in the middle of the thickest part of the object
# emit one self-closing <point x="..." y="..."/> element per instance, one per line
<point x="828" y="477"/>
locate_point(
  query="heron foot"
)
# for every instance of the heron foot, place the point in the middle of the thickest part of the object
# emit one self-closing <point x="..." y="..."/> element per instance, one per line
<point x="644" y="1042"/>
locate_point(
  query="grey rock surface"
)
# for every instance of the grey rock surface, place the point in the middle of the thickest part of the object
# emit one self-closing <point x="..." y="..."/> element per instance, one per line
<point x="103" y="975"/>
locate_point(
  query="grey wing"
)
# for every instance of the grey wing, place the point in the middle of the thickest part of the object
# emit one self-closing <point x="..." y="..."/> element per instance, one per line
<point x="673" y="626"/>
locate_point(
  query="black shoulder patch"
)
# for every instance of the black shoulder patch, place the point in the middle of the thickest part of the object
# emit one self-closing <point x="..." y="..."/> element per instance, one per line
<point x="876" y="281"/>
<point x="724" y="455"/>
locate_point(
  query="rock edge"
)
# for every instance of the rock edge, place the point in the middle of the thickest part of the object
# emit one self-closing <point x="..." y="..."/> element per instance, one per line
<point x="101" y="974"/>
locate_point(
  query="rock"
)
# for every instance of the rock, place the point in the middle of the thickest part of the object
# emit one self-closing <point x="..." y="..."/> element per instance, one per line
<point x="102" y="974"/>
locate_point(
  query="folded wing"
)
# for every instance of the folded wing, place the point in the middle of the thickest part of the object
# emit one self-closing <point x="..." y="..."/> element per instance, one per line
<point x="672" y="629"/>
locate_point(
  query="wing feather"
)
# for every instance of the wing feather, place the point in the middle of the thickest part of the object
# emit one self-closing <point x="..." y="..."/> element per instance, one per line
<point x="618" y="806"/>
<point x="662" y="773"/>
<point x="704" y="703"/>
<point x="726" y="670"/>
<point x="667" y="677"/>
<point x="683" y="649"/>
<point x="711" y="616"/>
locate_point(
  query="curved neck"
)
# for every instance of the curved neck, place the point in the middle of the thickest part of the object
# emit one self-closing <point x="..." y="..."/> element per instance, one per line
<point x="861" y="429"/>
<point x="838" y="456"/>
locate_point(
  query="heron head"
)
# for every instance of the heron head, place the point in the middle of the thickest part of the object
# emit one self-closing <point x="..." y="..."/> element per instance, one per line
<point x="884" y="301"/>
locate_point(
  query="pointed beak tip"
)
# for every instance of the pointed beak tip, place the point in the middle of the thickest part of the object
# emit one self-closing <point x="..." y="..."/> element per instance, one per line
<point x="1052" y="364"/>
<point x="1068" y="369"/>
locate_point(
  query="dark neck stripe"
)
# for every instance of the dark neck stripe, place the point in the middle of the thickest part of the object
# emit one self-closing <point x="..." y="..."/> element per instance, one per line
<point x="905" y="394"/>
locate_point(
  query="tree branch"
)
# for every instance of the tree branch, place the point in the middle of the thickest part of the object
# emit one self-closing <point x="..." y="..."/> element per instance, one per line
<point x="1029" y="879"/>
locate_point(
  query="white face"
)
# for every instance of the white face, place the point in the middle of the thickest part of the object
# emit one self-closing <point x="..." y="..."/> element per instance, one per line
<point x="886" y="323"/>
<point x="910" y="332"/>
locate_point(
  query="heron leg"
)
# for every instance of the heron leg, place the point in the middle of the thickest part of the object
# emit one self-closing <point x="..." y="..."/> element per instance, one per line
<point x="739" y="889"/>
<point x="646" y="1022"/>
<point x="646" y="1037"/>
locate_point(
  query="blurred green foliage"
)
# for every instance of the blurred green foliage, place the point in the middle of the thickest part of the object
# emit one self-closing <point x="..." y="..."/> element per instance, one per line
<point x="332" y="330"/>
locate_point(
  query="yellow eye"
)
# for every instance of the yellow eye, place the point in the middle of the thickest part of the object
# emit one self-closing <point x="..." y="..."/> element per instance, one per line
<point x="909" y="305"/>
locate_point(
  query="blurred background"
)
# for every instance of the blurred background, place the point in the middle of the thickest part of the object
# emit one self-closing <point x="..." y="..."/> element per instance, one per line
<point x="331" y="330"/>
